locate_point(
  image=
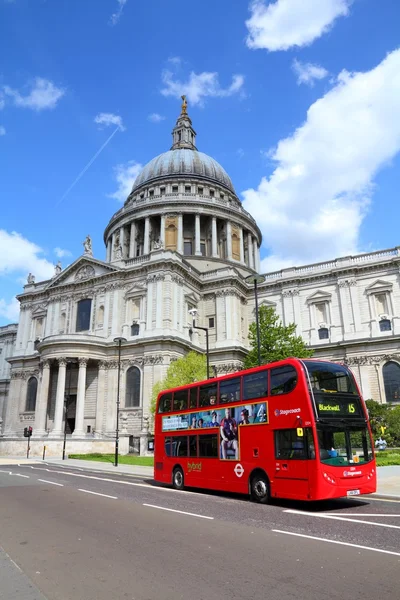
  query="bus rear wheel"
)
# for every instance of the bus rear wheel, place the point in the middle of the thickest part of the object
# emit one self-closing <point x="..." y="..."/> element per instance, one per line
<point x="178" y="481"/>
<point x="259" y="489"/>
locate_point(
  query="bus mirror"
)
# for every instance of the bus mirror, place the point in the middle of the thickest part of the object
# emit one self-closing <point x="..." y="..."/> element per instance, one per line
<point x="300" y="432"/>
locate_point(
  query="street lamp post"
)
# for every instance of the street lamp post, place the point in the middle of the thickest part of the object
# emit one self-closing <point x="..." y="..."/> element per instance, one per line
<point x="119" y="341"/>
<point x="255" y="280"/>
<point x="193" y="312"/>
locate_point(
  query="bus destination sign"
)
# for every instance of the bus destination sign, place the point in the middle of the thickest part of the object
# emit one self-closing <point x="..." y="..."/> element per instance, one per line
<point x="338" y="408"/>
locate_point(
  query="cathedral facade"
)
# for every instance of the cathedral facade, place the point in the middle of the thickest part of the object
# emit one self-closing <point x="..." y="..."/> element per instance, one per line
<point x="181" y="248"/>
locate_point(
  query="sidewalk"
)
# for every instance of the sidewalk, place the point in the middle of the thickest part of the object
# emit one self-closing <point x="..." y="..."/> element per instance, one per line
<point x="388" y="477"/>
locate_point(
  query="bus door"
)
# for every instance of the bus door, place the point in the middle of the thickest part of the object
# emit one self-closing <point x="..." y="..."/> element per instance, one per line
<point x="292" y="460"/>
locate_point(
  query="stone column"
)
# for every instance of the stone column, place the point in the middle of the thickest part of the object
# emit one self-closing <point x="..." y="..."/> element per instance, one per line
<point x="160" y="301"/>
<point x="80" y="398"/>
<point x="241" y="245"/>
<point x="108" y="250"/>
<point x="149" y="314"/>
<point x="229" y="240"/>
<point x="180" y="234"/>
<point x="60" y="398"/>
<point x="146" y="247"/>
<point x="250" y="250"/>
<point x="214" y="241"/>
<point x="122" y="240"/>
<point x="132" y="244"/>
<point x="112" y="247"/>
<point x="197" y="235"/>
<point x="162" y="231"/>
<point x="41" y="405"/>
<point x="255" y="254"/>
<point x="101" y="376"/>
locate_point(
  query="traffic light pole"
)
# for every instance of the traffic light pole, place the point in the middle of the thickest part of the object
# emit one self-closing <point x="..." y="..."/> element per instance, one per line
<point x="27" y="451"/>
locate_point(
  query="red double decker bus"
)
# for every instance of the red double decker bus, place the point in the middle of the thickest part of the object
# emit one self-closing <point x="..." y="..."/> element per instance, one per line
<point x="292" y="429"/>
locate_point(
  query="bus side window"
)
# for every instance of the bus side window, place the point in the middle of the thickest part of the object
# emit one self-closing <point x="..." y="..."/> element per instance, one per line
<point x="289" y="445"/>
<point x="193" y="397"/>
<point x="165" y="404"/>
<point x="193" y="445"/>
<point x="255" y="385"/>
<point x="229" y="390"/>
<point x="181" y="400"/>
<point x="208" y="394"/>
<point x="283" y="380"/>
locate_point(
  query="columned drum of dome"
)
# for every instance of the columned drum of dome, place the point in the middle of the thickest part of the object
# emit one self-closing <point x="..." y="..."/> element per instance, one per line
<point x="184" y="201"/>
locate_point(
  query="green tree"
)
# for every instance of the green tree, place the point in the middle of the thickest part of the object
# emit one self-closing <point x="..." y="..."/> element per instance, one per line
<point x="277" y="341"/>
<point x="188" y="369"/>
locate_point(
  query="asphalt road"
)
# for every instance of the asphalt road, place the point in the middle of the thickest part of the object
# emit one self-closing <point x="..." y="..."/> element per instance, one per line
<point x="81" y="535"/>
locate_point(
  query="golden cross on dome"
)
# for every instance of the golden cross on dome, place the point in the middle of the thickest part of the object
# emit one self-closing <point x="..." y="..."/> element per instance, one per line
<point x="184" y="105"/>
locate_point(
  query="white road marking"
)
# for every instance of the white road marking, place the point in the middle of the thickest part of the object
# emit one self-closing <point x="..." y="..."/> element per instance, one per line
<point x="143" y="485"/>
<point x="52" y="482"/>
<point x="346" y="514"/>
<point x="312" y="537"/>
<point x="337" y="518"/>
<point x="181" y="512"/>
<point x="97" y="494"/>
<point x="19" y="475"/>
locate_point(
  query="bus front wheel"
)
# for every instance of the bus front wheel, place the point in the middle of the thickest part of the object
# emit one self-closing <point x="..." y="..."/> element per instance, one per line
<point x="178" y="480"/>
<point x="259" y="488"/>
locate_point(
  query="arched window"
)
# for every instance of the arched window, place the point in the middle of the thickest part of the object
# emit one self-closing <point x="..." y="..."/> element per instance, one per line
<point x="135" y="329"/>
<point x="323" y="333"/>
<point x="132" y="395"/>
<point x="83" y="315"/>
<point x="391" y="378"/>
<point x="31" y="392"/>
<point x="385" y="325"/>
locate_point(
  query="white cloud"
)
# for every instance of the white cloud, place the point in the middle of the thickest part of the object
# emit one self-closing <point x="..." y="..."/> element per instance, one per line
<point x="19" y="255"/>
<point x="125" y="174"/>
<point x="2" y="102"/>
<point x="61" y="253"/>
<point x="155" y="118"/>
<point x="200" y="86"/>
<point x="175" y="60"/>
<point x="115" y="17"/>
<point x="311" y="207"/>
<point x="286" y="23"/>
<point x="43" y="95"/>
<point x="9" y="310"/>
<point x="2" y="130"/>
<point x="107" y="119"/>
<point x="307" y="72"/>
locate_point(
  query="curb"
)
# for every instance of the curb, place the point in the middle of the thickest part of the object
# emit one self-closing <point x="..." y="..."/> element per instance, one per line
<point x="380" y="496"/>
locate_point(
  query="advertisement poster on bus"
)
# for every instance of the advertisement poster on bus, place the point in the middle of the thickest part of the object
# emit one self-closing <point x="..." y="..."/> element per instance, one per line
<point x="249" y="414"/>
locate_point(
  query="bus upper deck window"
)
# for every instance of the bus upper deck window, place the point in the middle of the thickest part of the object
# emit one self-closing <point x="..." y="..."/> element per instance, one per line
<point x="165" y="403"/>
<point x="283" y="380"/>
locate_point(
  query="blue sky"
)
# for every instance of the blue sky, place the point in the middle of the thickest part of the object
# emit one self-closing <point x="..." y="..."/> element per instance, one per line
<point x="299" y="100"/>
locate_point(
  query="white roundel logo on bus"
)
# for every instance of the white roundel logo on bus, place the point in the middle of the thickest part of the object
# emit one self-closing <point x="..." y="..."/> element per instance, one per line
<point x="238" y="470"/>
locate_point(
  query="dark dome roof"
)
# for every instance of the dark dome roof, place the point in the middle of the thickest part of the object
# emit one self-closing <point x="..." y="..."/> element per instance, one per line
<point x="183" y="161"/>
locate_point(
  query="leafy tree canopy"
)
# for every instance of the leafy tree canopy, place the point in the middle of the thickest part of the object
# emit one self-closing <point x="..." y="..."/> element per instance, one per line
<point x="277" y="341"/>
<point x="188" y="369"/>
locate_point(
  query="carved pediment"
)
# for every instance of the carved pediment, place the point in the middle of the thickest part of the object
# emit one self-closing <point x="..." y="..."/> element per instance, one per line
<point x="83" y="269"/>
<point x="379" y="286"/>
<point x="319" y="296"/>
<point x="39" y="311"/>
<point x="137" y="289"/>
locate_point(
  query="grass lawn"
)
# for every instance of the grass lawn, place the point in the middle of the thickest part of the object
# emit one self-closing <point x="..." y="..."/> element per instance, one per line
<point x="144" y="461"/>
<point x="386" y="458"/>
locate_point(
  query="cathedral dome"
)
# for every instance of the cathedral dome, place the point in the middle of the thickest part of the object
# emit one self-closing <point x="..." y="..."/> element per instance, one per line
<point x="180" y="162"/>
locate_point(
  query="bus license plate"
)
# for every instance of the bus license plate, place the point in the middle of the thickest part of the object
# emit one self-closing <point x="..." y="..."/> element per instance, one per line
<point x="353" y="493"/>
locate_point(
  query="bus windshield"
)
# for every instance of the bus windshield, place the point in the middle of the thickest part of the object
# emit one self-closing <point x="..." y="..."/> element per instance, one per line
<point x="334" y="391"/>
<point x="344" y="445"/>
